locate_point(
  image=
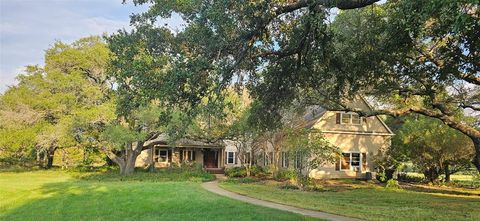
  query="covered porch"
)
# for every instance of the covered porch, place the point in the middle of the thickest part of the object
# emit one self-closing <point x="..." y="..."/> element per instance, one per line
<point x="206" y="156"/>
<point x="161" y="154"/>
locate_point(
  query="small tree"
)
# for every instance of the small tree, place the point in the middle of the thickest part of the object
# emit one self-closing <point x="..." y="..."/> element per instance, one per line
<point x="310" y="150"/>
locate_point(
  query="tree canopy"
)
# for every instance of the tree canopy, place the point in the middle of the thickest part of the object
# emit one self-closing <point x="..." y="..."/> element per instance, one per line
<point x="432" y="146"/>
<point x="51" y="106"/>
<point x="410" y="56"/>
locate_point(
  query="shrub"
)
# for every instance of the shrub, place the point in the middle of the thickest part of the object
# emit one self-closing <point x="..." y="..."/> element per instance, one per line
<point x="381" y="176"/>
<point x="235" y="172"/>
<point x="392" y="184"/>
<point x="286" y="175"/>
<point x="409" y="178"/>
<point x="257" y="170"/>
<point x="289" y="187"/>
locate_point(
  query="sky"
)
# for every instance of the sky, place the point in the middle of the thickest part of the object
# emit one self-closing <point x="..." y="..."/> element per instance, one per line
<point x="29" y="27"/>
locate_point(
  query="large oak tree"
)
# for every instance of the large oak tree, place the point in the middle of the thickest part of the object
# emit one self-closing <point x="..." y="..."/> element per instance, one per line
<point x="412" y="56"/>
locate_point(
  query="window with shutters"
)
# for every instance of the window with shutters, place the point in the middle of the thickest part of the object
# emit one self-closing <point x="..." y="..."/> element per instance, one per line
<point x="350" y="118"/>
<point x="354" y="161"/>
<point x="230" y="157"/>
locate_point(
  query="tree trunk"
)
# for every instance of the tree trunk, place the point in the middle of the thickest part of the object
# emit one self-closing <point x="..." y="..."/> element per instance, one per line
<point x="117" y="160"/>
<point x="49" y="155"/>
<point x="476" y="159"/>
<point x="247" y="169"/>
<point x="131" y="157"/>
<point x="431" y="174"/>
<point x="127" y="162"/>
<point x="130" y="164"/>
<point x="447" y="172"/>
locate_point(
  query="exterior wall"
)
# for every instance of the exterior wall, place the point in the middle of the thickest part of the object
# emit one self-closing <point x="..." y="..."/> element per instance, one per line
<point x="369" y="144"/>
<point x="369" y="137"/>
<point x="230" y="147"/>
<point x="145" y="158"/>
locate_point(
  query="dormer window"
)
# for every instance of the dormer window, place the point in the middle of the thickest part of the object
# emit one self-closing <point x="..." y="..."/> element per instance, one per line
<point x="350" y="118"/>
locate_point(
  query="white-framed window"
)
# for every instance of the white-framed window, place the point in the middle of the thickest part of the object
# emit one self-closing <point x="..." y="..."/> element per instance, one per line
<point x="162" y="155"/>
<point x="230" y="157"/>
<point x="187" y="155"/>
<point x="350" y="118"/>
<point x="284" y="159"/>
<point x="351" y="161"/>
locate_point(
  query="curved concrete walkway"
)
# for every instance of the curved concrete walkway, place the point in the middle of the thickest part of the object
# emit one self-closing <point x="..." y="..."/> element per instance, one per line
<point x="213" y="187"/>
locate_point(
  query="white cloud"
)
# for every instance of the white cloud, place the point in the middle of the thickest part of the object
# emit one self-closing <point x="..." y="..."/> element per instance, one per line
<point x="28" y="27"/>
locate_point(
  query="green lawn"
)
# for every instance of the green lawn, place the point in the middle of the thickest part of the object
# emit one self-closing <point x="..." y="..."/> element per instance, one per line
<point x="370" y="202"/>
<point x="55" y="195"/>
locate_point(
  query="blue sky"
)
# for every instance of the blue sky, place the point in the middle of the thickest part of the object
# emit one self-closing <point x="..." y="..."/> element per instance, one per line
<point x="28" y="27"/>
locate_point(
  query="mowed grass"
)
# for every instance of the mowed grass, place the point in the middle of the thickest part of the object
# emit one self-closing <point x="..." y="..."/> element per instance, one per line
<point x="55" y="195"/>
<point x="370" y="201"/>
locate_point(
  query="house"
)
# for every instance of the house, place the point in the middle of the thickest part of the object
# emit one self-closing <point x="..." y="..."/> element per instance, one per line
<point x="359" y="139"/>
<point x="209" y="155"/>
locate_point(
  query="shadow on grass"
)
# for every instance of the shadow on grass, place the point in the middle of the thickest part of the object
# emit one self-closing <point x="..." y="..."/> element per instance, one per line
<point x="440" y="190"/>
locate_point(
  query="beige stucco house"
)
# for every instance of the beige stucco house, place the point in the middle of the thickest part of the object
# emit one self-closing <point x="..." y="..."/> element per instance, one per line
<point x="358" y="138"/>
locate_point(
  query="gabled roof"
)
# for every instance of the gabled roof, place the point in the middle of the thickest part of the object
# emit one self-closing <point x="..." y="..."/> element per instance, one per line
<point x="312" y="115"/>
<point x="381" y="121"/>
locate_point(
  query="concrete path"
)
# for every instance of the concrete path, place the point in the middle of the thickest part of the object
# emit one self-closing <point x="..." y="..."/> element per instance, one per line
<point x="213" y="187"/>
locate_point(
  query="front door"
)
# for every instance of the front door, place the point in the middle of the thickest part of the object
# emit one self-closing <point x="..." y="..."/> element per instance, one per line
<point x="210" y="158"/>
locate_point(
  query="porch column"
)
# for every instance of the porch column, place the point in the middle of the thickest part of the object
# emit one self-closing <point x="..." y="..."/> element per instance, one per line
<point x="222" y="158"/>
<point x="152" y="152"/>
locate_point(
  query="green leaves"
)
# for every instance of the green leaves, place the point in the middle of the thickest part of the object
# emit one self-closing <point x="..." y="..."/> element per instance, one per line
<point x="312" y="146"/>
<point x="121" y="136"/>
<point x="429" y="143"/>
<point x="54" y="106"/>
